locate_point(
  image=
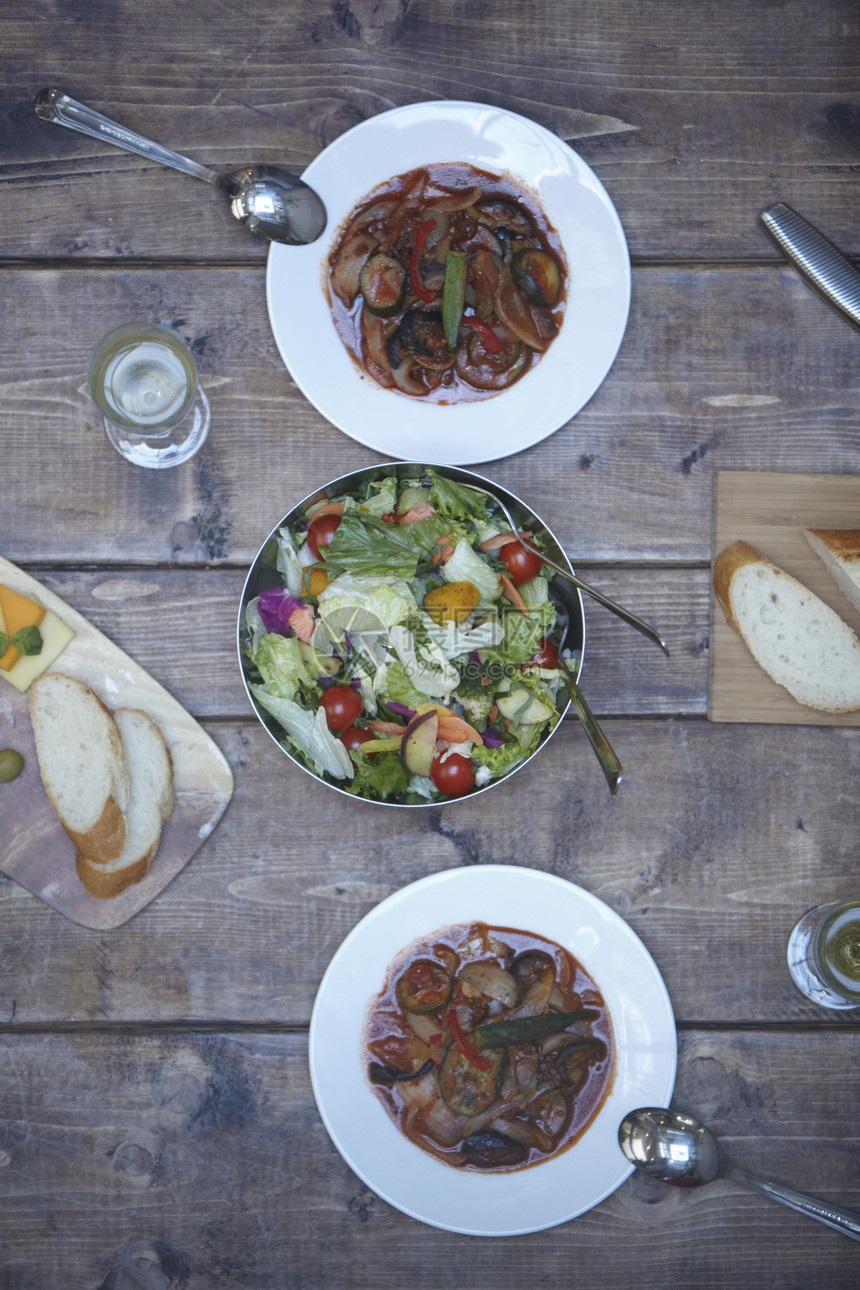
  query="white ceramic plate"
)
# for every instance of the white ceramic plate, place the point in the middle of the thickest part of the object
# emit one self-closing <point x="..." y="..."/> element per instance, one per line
<point x="576" y="363"/>
<point x="527" y="1200"/>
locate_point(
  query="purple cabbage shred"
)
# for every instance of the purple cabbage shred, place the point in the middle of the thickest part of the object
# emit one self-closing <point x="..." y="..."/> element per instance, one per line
<point x="400" y="708"/>
<point x="275" y="605"/>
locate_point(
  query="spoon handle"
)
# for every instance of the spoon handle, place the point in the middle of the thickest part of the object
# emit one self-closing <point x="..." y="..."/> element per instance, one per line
<point x="841" y="1220"/>
<point x="625" y="615"/>
<point x="609" y="762"/>
<point x="54" y="105"/>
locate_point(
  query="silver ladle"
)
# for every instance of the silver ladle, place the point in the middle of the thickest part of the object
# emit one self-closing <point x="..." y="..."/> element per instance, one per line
<point x="679" y="1149"/>
<point x="272" y="202"/>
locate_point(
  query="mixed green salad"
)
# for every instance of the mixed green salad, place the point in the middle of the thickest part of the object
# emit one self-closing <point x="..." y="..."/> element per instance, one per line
<point x="405" y="645"/>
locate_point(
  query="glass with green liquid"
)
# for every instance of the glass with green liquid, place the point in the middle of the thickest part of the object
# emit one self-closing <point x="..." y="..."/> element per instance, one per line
<point x="824" y="954"/>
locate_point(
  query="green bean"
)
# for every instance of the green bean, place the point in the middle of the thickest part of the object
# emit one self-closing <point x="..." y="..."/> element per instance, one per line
<point x="524" y="1030"/>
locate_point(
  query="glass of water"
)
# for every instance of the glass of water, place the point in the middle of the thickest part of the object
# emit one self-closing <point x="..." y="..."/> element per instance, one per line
<point x="824" y="954"/>
<point x="143" y="379"/>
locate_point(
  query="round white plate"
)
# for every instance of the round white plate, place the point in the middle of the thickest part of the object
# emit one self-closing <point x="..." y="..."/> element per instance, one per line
<point x="407" y="1177"/>
<point x="576" y="204"/>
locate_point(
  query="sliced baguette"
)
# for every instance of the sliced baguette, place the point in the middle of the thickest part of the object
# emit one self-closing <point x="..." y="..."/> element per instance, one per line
<point x="150" y="802"/>
<point x="799" y="641"/>
<point x="81" y="761"/>
<point x="839" y="549"/>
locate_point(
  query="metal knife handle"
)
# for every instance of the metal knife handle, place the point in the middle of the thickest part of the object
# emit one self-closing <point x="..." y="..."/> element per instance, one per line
<point x="816" y="258"/>
<point x="54" y="105"/>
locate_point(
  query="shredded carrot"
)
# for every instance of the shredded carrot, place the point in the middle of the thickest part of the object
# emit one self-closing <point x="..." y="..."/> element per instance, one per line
<point x="302" y="623"/>
<point x="325" y="508"/>
<point x="501" y="539"/>
<point x="493" y="713"/>
<point x="447" y="552"/>
<point x="513" y="595"/>
<point x="416" y="513"/>
<point x="452" y="729"/>
<point x="387" y="727"/>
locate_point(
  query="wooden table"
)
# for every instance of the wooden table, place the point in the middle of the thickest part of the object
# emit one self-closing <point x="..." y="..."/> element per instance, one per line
<point x="157" y="1127"/>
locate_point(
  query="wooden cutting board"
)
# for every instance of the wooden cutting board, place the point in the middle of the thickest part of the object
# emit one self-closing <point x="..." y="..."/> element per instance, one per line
<point x="34" y="849"/>
<point x="770" y="511"/>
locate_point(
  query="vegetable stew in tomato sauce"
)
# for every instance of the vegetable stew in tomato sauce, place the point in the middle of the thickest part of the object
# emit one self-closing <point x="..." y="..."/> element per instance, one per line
<point x="447" y="283"/>
<point x="490" y="1048"/>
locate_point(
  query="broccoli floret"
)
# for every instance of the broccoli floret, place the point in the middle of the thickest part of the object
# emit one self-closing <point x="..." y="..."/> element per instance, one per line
<point x="477" y="691"/>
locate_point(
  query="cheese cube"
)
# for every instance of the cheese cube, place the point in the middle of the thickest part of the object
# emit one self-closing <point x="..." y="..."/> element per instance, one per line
<point x="55" y="637"/>
<point x="16" y="611"/>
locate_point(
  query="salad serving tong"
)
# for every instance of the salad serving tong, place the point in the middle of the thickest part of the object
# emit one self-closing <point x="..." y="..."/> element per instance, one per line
<point x="606" y="755"/>
<point x="625" y="614"/>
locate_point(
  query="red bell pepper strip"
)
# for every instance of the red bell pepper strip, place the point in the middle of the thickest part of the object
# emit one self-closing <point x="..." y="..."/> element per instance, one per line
<point x="471" y="1054"/>
<point x="422" y="292"/>
<point x="487" y="335"/>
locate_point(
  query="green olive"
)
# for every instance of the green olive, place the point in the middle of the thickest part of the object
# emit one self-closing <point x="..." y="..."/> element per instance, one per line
<point x="11" y="764"/>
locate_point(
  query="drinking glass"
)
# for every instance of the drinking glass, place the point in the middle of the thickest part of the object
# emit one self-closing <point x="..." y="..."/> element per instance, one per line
<point x="143" y="379"/>
<point x="824" y="954"/>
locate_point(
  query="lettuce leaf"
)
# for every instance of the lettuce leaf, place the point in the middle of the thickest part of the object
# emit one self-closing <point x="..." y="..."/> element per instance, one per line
<point x="456" y="639"/>
<point x="426" y="666"/>
<point x="381" y="497"/>
<point x="523" y="634"/>
<point x="363" y="544"/>
<point x="309" y="734"/>
<point x="364" y="604"/>
<point x="500" y="761"/>
<point x="280" y="663"/>
<point x="399" y="687"/>
<point x="289" y="562"/>
<point x="379" y="778"/>
<point x="457" y="501"/>
<point x="465" y="565"/>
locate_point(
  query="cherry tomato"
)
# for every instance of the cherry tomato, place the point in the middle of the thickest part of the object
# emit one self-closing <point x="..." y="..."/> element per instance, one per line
<point x="522" y="565"/>
<point x="354" y="737"/>
<point x="321" y="531"/>
<point x="342" y="705"/>
<point x="546" y="656"/>
<point x="453" y="775"/>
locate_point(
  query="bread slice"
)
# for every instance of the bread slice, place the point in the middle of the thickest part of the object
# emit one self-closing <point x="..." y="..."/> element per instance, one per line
<point x="799" y="641"/>
<point x="81" y="762"/>
<point x="840" y="551"/>
<point x="150" y="802"/>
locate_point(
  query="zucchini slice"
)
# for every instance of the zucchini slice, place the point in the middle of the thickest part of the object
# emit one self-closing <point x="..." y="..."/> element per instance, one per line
<point x="465" y="1089"/>
<point x="424" y="988"/>
<point x="383" y="284"/>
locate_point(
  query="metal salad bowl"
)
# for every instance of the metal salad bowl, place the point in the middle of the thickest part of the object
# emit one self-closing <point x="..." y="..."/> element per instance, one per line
<point x="264" y="574"/>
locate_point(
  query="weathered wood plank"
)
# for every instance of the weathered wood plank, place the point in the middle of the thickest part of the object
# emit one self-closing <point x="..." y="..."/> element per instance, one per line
<point x="199" y="1161"/>
<point x="181" y="626"/>
<point x="705" y="380"/>
<point x="719" y="839"/>
<point x="694" y="118"/>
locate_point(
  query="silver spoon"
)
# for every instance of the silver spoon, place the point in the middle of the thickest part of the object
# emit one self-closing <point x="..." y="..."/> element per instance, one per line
<point x="272" y="202"/>
<point x="679" y="1149"/>
<point x="609" y="762"/>
<point x="645" y="628"/>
